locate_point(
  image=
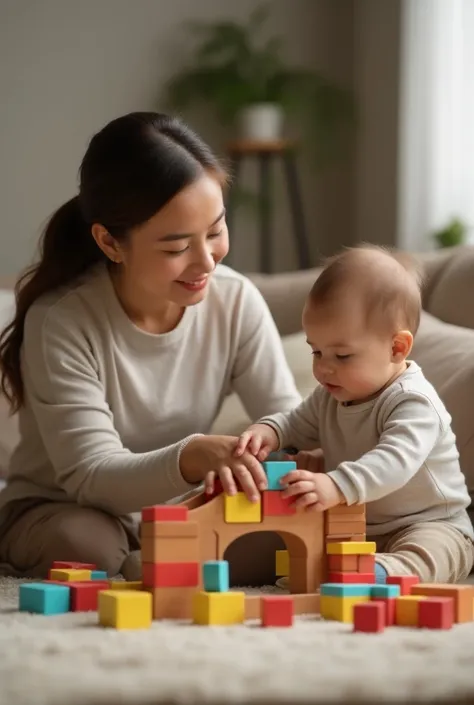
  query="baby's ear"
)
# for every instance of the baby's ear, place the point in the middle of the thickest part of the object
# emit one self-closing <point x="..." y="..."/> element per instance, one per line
<point x="402" y="343"/>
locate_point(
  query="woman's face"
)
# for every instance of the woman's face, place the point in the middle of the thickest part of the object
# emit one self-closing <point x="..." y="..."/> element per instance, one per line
<point x="171" y="257"/>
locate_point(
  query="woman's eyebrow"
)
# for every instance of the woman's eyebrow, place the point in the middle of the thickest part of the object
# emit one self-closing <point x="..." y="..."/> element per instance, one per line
<point x="182" y="236"/>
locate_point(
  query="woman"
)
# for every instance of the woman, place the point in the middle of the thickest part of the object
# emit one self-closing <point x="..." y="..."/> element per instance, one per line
<point x="128" y="335"/>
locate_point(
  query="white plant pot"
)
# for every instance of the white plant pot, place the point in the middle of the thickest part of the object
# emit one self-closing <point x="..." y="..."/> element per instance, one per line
<point x="262" y="122"/>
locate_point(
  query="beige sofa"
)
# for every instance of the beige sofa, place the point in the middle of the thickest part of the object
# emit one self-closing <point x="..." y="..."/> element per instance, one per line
<point x="444" y="345"/>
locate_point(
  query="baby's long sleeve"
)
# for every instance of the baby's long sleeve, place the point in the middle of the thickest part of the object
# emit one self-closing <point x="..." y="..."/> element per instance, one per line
<point x="298" y="427"/>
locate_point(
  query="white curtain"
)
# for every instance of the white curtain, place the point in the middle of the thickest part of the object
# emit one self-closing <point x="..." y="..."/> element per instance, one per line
<point x="436" y="167"/>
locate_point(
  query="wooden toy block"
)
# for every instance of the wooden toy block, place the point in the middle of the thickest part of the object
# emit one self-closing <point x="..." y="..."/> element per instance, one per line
<point x="162" y="550"/>
<point x="216" y="576"/>
<point x="406" y="582"/>
<point x="165" y="512"/>
<point x="463" y="596"/>
<point x="68" y="575"/>
<point x="350" y="548"/>
<point x="218" y="608"/>
<point x="406" y="610"/>
<point x="302" y="604"/>
<point x="366" y="564"/>
<point x="282" y="563"/>
<point x="346" y="590"/>
<point x="344" y="564"/>
<point x="122" y="609"/>
<point x="99" y="575"/>
<point x="171" y="574"/>
<point x="277" y="611"/>
<point x="85" y="596"/>
<point x="369" y="617"/>
<point x="340" y="609"/>
<point x="436" y="613"/>
<point x="125" y="585"/>
<point x="275" y="505"/>
<point x="275" y="470"/>
<point x="346" y="577"/>
<point x="44" y="598"/>
<point x="169" y="529"/>
<point x="73" y="565"/>
<point x="385" y="591"/>
<point x="343" y="510"/>
<point x="172" y="603"/>
<point x="346" y="527"/>
<point x="389" y="609"/>
<point x="346" y="538"/>
<point x="240" y="510"/>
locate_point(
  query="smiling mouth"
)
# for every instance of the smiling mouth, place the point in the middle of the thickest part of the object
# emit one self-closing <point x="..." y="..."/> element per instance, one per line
<point x="195" y="285"/>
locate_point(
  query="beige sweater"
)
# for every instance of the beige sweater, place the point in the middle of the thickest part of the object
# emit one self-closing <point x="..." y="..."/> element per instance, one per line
<point x="110" y="406"/>
<point x="397" y="453"/>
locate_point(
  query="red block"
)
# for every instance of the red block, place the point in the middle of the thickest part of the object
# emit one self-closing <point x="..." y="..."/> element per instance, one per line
<point x="343" y="564"/>
<point x="165" y="512"/>
<point x="369" y="617"/>
<point x="73" y="565"/>
<point x="366" y="564"/>
<point x="275" y="505"/>
<point x="277" y="610"/>
<point x="167" y="574"/>
<point x="436" y="613"/>
<point x="389" y="609"/>
<point x="351" y="578"/>
<point x="85" y="594"/>
<point x="406" y="582"/>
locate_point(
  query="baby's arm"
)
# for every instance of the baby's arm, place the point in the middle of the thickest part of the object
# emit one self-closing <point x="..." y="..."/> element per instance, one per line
<point x="410" y="431"/>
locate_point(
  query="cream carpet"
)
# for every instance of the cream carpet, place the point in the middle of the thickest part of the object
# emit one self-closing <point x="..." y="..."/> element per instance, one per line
<point x="69" y="660"/>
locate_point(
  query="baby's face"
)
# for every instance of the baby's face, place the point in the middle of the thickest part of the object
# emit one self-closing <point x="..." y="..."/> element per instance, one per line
<point x="350" y="361"/>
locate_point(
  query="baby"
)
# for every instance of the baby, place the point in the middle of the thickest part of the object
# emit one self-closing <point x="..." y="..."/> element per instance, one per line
<point x="385" y="433"/>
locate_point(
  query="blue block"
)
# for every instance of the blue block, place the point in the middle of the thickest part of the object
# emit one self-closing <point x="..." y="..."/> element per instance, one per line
<point x="44" y="598"/>
<point x="385" y="591"/>
<point x="216" y="576"/>
<point x="347" y="589"/>
<point x="275" y="471"/>
<point x="99" y="575"/>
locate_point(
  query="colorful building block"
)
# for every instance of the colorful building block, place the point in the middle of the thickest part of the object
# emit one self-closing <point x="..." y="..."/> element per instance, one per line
<point x="385" y="591"/>
<point x="74" y="565"/>
<point x="369" y="617"/>
<point x="171" y="574"/>
<point x="339" y="609"/>
<point x="84" y="596"/>
<point x="124" y="585"/>
<point x="69" y="575"/>
<point x="275" y="505"/>
<point x="436" y="613"/>
<point x="282" y="563"/>
<point x="406" y="582"/>
<point x="99" y="575"/>
<point x="173" y="549"/>
<point x="165" y="512"/>
<point x="218" y="608"/>
<point x="168" y="529"/>
<point x="345" y="564"/>
<point x="240" y="510"/>
<point x="346" y="590"/>
<point x="350" y="548"/>
<point x="406" y="610"/>
<point x="389" y="609"/>
<point x="277" y="610"/>
<point x="366" y="564"/>
<point x="348" y="577"/>
<point x="275" y="470"/>
<point x="463" y="596"/>
<point x="216" y="576"/>
<point x="44" y="598"/>
<point x="122" y="609"/>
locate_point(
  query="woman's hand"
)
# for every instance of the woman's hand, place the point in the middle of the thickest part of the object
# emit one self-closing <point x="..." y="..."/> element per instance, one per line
<point x="208" y="457"/>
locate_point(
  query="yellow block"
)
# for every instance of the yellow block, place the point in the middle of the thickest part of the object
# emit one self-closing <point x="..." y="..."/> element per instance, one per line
<point x="406" y="610"/>
<point x="340" y="609"/>
<point x="240" y="510"/>
<point x="218" y="608"/>
<point x="124" y="585"/>
<point x="125" y="609"/>
<point x="282" y="563"/>
<point x="69" y="574"/>
<point x="351" y="548"/>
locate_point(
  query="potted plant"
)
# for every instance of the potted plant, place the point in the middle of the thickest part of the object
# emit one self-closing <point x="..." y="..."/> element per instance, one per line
<point x="243" y="77"/>
<point x="452" y="235"/>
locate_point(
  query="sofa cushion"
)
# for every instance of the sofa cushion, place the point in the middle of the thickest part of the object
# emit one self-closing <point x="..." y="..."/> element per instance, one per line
<point x="450" y="293"/>
<point x="445" y="353"/>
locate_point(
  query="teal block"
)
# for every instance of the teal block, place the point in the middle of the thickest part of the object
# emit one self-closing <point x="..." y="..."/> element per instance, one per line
<point x="44" y="598"/>
<point x="347" y="589"/>
<point x="385" y="591"/>
<point x="99" y="575"/>
<point x="275" y="470"/>
<point x="216" y="576"/>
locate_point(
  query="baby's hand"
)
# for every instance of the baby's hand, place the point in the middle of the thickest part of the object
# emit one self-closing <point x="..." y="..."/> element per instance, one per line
<point x="259" y="440"/>
<point x="313" y="492"/>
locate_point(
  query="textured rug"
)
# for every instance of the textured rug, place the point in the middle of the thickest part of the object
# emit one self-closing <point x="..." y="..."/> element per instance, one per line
<point x="69" y="659"/>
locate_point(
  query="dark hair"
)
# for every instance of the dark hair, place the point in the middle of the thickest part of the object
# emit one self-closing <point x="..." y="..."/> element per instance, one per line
<point x="132" y="168"/>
